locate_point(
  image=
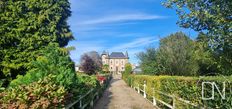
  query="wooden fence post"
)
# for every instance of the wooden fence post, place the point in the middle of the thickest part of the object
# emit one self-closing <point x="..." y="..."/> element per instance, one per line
<point x="138" y="89"/>
<point x="173" y="102"/>
<point x="144" y="89"/>
<point x="131" y="83"/>
<point x="154" y="100"/>
<point x="92" y="98"/>
<point x="80" y="105"/>
<point x="97" y="95"/>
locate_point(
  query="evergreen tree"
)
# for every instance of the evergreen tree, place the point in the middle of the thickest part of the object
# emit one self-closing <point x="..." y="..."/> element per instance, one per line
<point x="27" y="26"/>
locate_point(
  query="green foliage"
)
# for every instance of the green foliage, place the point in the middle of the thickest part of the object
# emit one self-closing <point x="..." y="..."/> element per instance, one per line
<point x="1" y="84"/>
<point x="212" y="17"/>
<point x="53" y="60"/>
<point x="47" y="92"/>
<point x="44" y="93"/>
<point x="105" y="68"/>
<point x="127" y="72"/>
<point x="176" y="55"/>
<point x="148" y="60"/>
<point x="27" y="26"/>
<point x="205" y="56"/>
<point x="187" y="88"/>
<point x="85" y="83"/>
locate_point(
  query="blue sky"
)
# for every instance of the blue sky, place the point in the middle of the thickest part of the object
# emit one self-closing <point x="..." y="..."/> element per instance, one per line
<point x="120" y="25"/>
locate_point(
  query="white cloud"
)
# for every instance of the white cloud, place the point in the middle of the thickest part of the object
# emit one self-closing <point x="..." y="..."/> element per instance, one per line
<point x="114" y="18"/>
<point x="83" y="47"/>
<point x="132" y="47"/>
<point x="136" y="43"/>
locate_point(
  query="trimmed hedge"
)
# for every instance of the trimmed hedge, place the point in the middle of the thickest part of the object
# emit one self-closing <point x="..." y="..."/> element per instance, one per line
<point x="187" y="88"/>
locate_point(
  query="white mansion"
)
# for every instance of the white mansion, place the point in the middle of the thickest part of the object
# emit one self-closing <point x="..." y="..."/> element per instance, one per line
<point x="116" y="61"/>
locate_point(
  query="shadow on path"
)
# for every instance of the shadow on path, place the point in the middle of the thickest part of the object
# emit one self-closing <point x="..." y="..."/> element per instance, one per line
<point x="119" y="96"/>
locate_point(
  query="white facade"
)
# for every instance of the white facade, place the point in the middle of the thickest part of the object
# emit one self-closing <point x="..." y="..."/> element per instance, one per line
<point x="116" y="61"/>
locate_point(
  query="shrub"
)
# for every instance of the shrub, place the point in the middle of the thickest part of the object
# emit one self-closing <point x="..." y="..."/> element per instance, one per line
<point x="52" y="83"/>
<point x="53" y="60"/>
<point x="127" y="72"/>
<point x="188" y="88"/>
<point x="85" y="83"/>
<point x="41" y="94"/>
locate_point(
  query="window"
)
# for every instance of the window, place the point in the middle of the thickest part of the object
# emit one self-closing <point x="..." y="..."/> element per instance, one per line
<point x="122" y="68"/>
<point x="122" y="62"/>
<point x="111" y="68"/>
<point x="116" y="62"/>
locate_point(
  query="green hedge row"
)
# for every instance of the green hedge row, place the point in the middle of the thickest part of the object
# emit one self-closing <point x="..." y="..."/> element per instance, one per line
<point x="187" y="88"/>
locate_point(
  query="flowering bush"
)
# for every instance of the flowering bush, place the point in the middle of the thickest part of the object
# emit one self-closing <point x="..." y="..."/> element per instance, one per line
<point x="101" y="79"/>
<point x="52" y="83"/>
<point x="41" y="94"/>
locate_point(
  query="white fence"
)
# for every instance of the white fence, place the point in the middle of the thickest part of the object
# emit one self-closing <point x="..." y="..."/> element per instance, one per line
<point x="87" y="100"/>
<point x="155" y="100"/>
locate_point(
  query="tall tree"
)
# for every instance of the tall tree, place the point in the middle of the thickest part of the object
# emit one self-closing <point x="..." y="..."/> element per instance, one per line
<point x="176" y="55"/>
<point x="27" y="26"/>
<point x="96" y="58"/>
<point x="88" y="65"/>
<point x="212" y="17"/>
<point x="148" y="62"/>
<point x="205" y="56"/>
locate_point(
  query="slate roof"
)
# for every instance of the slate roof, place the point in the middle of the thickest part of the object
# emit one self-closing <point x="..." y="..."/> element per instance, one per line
<point x="117" y="55"/>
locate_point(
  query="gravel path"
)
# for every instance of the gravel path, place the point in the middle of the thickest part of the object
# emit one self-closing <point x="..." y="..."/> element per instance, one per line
<point x="120" y="96"/>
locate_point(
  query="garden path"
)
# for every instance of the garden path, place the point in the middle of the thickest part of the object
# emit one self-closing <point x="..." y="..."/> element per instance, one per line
<point x="119" y="96"/>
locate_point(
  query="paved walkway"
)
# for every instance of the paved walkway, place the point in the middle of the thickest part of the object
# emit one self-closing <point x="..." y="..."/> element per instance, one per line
<point x="120" y="96"/>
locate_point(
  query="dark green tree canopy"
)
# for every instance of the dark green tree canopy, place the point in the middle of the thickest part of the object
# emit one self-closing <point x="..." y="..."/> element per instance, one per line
<point x="26" y="26"/>
<point x="205" y="56"/>
<point x="213" y="17"/>
<point x="148" y="61"/>
<point x="176" y="55"/>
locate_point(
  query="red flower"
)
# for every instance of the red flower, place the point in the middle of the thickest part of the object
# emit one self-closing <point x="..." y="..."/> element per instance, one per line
<point x="101" y="79"/>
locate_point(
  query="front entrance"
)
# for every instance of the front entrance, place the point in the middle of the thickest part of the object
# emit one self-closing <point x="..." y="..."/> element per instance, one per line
<point x="117" y="69"/>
